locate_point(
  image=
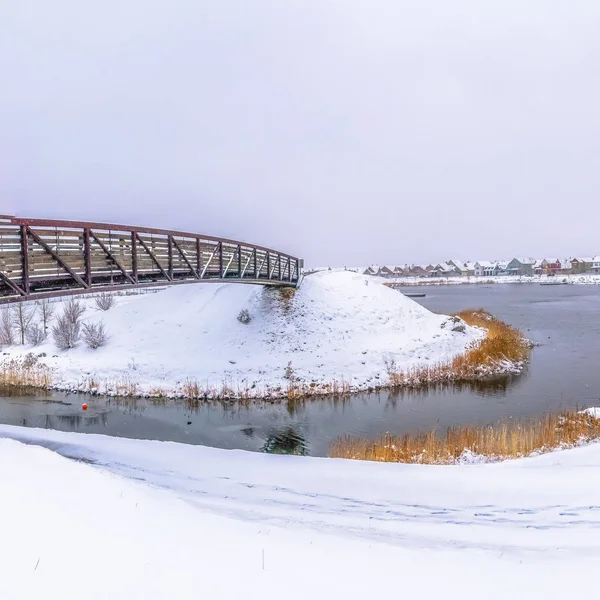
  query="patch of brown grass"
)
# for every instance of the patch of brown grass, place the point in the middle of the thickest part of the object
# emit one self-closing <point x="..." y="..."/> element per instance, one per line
<point x="503" y="348"/>
<point x="492" y="442"/>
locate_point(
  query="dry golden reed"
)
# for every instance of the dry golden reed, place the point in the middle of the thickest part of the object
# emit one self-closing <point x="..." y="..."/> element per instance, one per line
<point x="503" y="347"/>
<point x="26" y="372"/>
<point x="492" y="442"/>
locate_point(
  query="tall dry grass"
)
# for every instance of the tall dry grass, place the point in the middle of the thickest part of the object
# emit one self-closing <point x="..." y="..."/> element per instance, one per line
<point x="503" y="348"/>
<point x="491" y="442"/>
<point x="25" y="372"/>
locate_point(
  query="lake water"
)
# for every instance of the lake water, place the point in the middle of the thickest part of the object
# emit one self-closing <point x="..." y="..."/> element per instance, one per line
<point x="564" y="372"/>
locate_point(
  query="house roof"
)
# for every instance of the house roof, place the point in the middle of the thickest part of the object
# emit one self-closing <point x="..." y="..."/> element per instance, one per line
<point x="486" y="264"/>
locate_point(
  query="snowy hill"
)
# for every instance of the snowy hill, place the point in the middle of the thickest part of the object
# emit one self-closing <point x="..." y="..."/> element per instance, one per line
<point x="338" y="326"/>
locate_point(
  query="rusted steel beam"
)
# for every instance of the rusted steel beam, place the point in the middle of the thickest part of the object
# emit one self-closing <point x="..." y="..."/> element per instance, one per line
<point x="123" y="287"/>
<point x="170" y="255"/>
<point x="255" y="260"/>
<point x="24" y="259"/>
<point x="134" y="257"/>
<point x="87" y="256"/>
<point x="54" y="223"/>
<point x="12" y="285"/>
<point x="112" y="257"/>
<point x="38" y="240"/>
<point x="152" y="256"/>
<point x="239" y="261"/>
<point x="185" y="258"/>
<point x="221" y="259"/>
<point x="268" y="265"/>
<point x="198" y="258"/>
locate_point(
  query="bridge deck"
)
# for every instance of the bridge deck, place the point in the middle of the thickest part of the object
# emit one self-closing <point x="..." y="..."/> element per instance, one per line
<point x="44" y="257"/>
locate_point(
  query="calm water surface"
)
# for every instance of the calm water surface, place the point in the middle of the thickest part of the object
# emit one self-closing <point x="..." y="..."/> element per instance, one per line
<point x="564" y="372"/>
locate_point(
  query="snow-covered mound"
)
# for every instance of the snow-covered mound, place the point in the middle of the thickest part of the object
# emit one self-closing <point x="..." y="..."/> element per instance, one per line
<point x="337" y="327"/>
<point x="158" y="520"/>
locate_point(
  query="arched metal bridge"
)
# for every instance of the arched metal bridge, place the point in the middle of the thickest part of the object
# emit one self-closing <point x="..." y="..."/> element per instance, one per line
<point x="45" y="257"/>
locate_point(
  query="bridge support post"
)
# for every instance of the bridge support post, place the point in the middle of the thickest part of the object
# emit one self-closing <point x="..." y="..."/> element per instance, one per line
<point x="170" y="251"/>
<point x="24" y="259"/>
<point x="87" y="256"/>
<point x="134" y="257"/>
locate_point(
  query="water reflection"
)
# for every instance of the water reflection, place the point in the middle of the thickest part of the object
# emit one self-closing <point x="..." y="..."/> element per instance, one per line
<point x="286" y="441"/>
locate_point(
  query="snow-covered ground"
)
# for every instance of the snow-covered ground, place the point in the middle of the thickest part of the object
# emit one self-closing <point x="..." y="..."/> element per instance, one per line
<point x="338" y="327"/>
<point x="139" y="519"/>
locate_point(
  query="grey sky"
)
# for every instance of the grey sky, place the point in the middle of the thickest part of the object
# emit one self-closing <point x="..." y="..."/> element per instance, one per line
<point x="344" y="131"/>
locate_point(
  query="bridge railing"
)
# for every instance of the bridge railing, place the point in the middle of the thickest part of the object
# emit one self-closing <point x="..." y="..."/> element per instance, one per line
<point x="42" y="257"/>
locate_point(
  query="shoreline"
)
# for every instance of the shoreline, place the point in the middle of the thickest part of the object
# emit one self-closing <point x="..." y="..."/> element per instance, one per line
<point x="506" y="279"/>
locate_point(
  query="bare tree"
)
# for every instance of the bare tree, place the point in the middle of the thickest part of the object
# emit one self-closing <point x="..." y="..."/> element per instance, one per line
<point x="73" y="310"/>
<point x="46" y="311"/>
<point x="22" y="317"/>
<point x="35" y="334"/>
<point x="67" y="328"/>
<point x="105" y="301"/>
<point x="95" y="335"/>
<point x="7" y="332"/>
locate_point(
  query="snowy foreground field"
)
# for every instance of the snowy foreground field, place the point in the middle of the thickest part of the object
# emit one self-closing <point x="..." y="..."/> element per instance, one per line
<point x="137" y="519"/>
<point x="338" y="327"/>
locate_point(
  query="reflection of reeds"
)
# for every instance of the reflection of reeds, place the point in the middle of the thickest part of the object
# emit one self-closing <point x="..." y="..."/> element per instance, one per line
<point x="491" y="442"/>
<point x="503" y="348"/>
<point x="26" y="372"/>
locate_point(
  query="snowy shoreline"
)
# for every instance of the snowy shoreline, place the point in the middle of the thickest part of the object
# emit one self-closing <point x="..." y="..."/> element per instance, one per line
<point x="522" y="279"/>
<point x="334" y="335"/>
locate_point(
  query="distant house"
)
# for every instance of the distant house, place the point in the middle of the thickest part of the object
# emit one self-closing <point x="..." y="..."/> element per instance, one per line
<point x="566" y="267"/>
<point x="387" y="271"/>
<point x="483" y="268"/>
<point x="521" y="266"/>
<point x="460" y="266"/>
<point x="547" y="266"/>
<point x="444" y="270"/>
<point x="372" y="270"/>
<point x="470" y="267"/>
<point x="596" y="264"/>
<point x="581" y="264"/>
<point x="418" y="271"/>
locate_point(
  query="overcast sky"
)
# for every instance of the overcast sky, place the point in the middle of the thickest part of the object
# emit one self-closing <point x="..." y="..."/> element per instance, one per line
<point x="345" y="131"/>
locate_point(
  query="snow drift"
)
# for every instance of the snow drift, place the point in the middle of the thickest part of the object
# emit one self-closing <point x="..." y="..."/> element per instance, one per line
<point x="138" y="519"/>
<point x="338" y="327"/>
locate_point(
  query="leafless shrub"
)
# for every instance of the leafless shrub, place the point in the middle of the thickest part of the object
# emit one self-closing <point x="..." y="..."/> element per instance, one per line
<point x="22" y="316"/>
<point x="7" y="333"/>
<point x="66" y="333"/>
<point x="244" y="316"/>
<point x="46" y="312"/>
<point x="73" y="311"/>
<point x="105" y="301"/>
<point x="35" y="334"/>
<point x="95" y="335"/>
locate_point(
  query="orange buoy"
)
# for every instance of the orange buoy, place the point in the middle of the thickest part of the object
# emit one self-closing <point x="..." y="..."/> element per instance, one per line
<point x="84" y="406"/>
